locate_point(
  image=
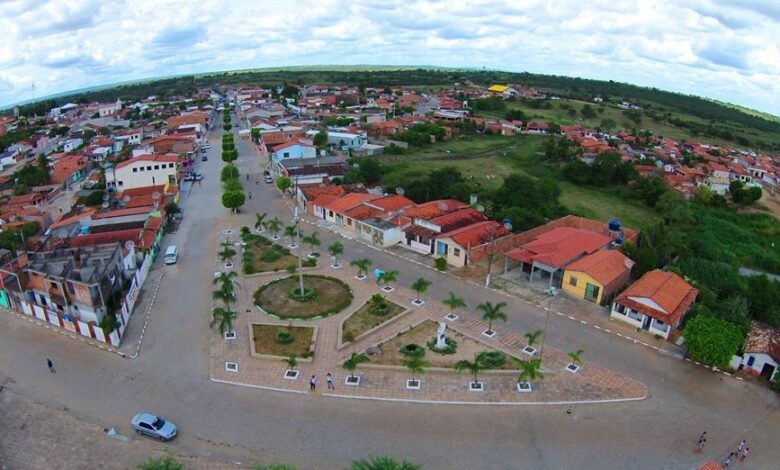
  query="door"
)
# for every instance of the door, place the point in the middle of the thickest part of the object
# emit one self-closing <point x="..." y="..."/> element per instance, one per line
<point x="646" y="322"/>
<point x="767" y="371"/>
<point x="591" y="292"/>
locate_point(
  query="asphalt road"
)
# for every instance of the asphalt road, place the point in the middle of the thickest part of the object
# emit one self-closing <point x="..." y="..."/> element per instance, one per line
<point x="170" y="377"/>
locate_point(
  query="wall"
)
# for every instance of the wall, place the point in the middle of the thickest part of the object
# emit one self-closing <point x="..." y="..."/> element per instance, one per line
<point x="139" y="179"/>
<point x="582" y="281"/>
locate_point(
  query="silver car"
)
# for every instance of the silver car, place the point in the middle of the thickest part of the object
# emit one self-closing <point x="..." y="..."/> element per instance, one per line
<point x="154" y="426"/>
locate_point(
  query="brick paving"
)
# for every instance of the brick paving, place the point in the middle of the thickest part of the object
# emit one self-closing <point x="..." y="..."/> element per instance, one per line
<point x="591" y="384"/>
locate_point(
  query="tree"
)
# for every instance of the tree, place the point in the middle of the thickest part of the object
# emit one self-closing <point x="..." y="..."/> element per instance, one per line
<point x="291" y="361"/>
<point x="233" y="199"/>
<point x="388" y="277"/>
<point x="607" y="124"/>
<point x="226" y="294"/>
<point x="415" y="366"/>
<point x="420" y="286"/>
<point x="313" y="241"/>
<point x="260" y="221"/>
<point x="283" y="183"/>
<point x="109" y="323"/>
<point x="273" y="226"/>
<point x="163" y="463"/>
<point x="172" y="209"/>
<point x="530" y="370"/>
<point x="362" y="266"/>
<point x="369" y="170"/>
<point x="474" y="367"/>
<point x="226" y="279"/>
<point x="674" y="208"/>
<point x="454" y="302"/>
<point x="321" y="139"/>
<point x="352" y="362"/>
<point x="712" y="341"/>
<point x="336" y="250"/>
<point x="382" y="462"/>
<point x="227" y="253"/>
<point x="576" y="356"/>
<point x="229" y="172"/>
<point x="223" y="318"/>
<point x="291" y="231"/>
<point x="492" y="312"/>
<point x="533" y="337"/>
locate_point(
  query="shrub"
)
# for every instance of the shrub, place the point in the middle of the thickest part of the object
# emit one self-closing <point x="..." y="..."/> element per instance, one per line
<point x="450" y="348"/>
<point x="378" y="305"/>
<point x="440" y="263"/>
<point x="284" y="337"/>
<point x="349" y="336"/>
<point x="412" y="350"/>
<point x="244" y="232"/>
<point x="269" y="256"/>
<point x="291" y="268"/>
<point x="308" y="294"/>
<point x="492" y="359"/>
<point x="309" y="262"/>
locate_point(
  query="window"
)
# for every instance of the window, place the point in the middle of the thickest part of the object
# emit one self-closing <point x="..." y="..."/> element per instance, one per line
<point x="149" y="168"/>
<point x="141" y="169"/>
<point x="157" y="167"/>
<point x="751" y="360"/>
<point x="135" y="170"/>
<point x="121" y="183"/>
<point x="456" y="251"/>
<point x="572" y="281"/>
<point x="286" y="154"/>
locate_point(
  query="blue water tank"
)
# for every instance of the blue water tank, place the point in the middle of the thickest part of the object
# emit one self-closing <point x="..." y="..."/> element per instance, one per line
<point x="614" y="225"/>
<point x="84" y="229"/>
<point x="618" y="240"/>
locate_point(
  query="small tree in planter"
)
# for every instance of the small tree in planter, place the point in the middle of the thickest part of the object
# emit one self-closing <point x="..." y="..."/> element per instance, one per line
<point x="475" y="368"/>
<point x="273" y="226"/>
<point x="530" y="371"/>
<point x="378" y="305"/>
<point x="533" y="338"/>
<point x="386" y="278"/>
<point x="336" y="250"/>
<point x="223" y="319"/>
<point x="420" y="286"/>
<point x="291" y="231"/>
<point x="292" y="363"/>
<point x="351" y="364"/>
<point x="576" y="360"/>
<point x="362" y="266"/>
<point x="227" y="252"/>
<point x="313" y="241"/>
<point x="453" y="302"/>
<point x="491" y="313"/>
<point x="416" y="366"/>
<point x="260" y="222"/>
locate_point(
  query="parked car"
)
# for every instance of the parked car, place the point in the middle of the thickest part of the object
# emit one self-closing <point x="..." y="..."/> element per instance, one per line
<point x="153" y="426"/>
<point x="198" y="176"/>
<point x="269" y="179"/>
<point x="204" y="158"/>
<point x="189" y="177"/>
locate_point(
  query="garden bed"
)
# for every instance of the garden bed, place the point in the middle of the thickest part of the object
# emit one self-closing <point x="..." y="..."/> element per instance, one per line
<point x="363" y="320"/>
<point x="331" y="297"/>
<point x="260" y="255"/>
<point x="264" y="340"/>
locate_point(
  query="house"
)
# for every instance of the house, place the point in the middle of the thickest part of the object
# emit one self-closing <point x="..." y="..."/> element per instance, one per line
<point x="420" y="235"/>
<point x="71" y="145"/>
<point x="380" y="232"/>
<point x="334" y="210"/>
<point x="143" y="171"/>
<point x="293" y="149"/>
<point x="657" y="302"/>
<point x="69" y="169"/>
<point x="597" y="276"/>
<point x="456" y="245"/>
<point x="109" y="109"/>
<point x="761" y="354"/>
<point x="502" y="90"/>
<point x="535" y="127"/>
<point x="553" y="250"/>
<point x="345" y="139"/>
<point x="311" y="170"/>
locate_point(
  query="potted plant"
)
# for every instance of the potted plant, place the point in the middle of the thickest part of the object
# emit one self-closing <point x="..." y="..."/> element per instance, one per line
<point x="313" y="241"/>
<point x="336" y="250"/>
<point x="362" y="266"/>
<point x="453" y="302"/>
<point x="416" y="366"/>
<point x="576" y="361"/>
<point x="273" y="226"/>
<point x="260" y="222"/>
<point x="491" y="313"/>
<point x="530" y="371"/>
<point x="420" y="286"/>
<point x="386" y="278"/>
<point x="291" y="231"/>
<point x="474" y="367"/>
<point x="533" y="338"/>
<point x="291" y="373"/>
<point x="350" y="365"/>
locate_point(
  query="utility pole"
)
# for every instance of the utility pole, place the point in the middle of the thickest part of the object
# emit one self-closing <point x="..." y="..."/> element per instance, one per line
<point x="300" y="250"/>
<point x="552" y="292"/>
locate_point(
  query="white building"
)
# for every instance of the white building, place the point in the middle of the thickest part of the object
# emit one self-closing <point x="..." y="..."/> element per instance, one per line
<point x="293" y="149"/>
<point x="71" y="145"/>
<point x="347" y="139"/>
<point x="144" y="171"/>
<point x="109" y="109"/>
<point x="762" y="350"/>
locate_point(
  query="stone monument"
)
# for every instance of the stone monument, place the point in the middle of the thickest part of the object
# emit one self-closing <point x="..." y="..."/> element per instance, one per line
<point x="440" y="342"/>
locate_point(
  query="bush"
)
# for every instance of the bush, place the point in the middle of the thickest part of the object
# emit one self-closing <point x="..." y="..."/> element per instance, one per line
<point x="440" y="263"/>
<point x="712" y="341"/>
<point x="412" y="350"/>
<point x="269" y="256"/>
<point x="308" y="294"/>
<point x="284" y="337"/>
<point x="309" y="262"/>
<point x="292" y="268"/>
<point x="378" y="305"/>
<point x="492" y="359"/>
<point x="450" y="348"/>
<point x="776" y="383"/>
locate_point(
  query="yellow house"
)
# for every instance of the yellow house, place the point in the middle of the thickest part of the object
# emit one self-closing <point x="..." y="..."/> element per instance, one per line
<point x="502" y="90"/>
<point x="598" y="276"/>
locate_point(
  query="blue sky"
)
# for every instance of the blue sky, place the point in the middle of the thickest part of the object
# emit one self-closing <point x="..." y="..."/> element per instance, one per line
<point x="728" y="50"/>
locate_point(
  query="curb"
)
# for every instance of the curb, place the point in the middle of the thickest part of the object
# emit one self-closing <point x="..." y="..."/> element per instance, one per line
<point x="261" y="387"/>
<point x="488" y="403"/>
<point x="146" y="320"/>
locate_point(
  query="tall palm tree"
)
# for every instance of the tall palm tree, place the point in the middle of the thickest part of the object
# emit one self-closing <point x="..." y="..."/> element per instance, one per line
<point x="415" y="365"/>
<point x="226" y="278"/>
<point x="226" y="294"/>
<point x="352" y="362"/>
<point x="313" y="241"/>
<point x="420" y="286"/>
<point x="576" y="356"/>
<point x="291" y="231"/>
<point x="362" y="265"/>
<point x="223" y="317"/>
<point x="492" y="312"/>
<point x="474" y="367"/>
<point x="533" y="337"/>
<point x="454" y="302"/>
<point x="388" y="277"/>
<point x="530" y="370"/>
<point x="382" y="462"/>
<point x="336" y="250"/>
<point x="273" y="226"/>
<point x="227" y="253"/>
<point x="260" y="221"/>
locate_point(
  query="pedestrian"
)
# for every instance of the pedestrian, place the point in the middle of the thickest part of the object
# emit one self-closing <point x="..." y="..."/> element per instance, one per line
<point x="700" y="443"/>
<point x="313" y="383"/>
<point x="744" y="453"/>
<point x="257" y="181"/>
<point x="741" y="447"/>
<point x="729" y="459"/>
<point x="250" y="194"/>
<point x="247" y="176"/>
<point x="329" y="379"/>
<point x="51" y="365"/>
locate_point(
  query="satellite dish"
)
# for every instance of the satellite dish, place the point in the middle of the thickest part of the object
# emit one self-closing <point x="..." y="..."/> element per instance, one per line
<point x="126" y="198"/>
<point x="480" y="208"/>
<point x="104" y="205"/>
<point x="105" y="197"/>
<point x="399" y="190"/>
<point x="129" y="245"/>
<point x="442" y="206"/>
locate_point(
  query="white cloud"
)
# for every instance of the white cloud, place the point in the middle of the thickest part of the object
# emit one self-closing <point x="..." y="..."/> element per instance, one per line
<point x="718" y="48"/>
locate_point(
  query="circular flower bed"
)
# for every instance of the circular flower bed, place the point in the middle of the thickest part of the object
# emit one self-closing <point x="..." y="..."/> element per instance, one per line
<point x="276" y="297"/>
<point x="450" y="348"/>
<point x="412" y="350"/>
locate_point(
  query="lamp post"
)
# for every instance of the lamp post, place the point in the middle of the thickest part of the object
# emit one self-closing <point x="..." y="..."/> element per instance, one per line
<point x="296" y="221"/>
<point x="552" y="292"/>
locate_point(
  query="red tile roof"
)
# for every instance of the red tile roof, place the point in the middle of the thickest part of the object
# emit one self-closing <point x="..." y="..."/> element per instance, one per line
<point x="324" y="200"/>
<point x="72" y="219"/>
<point x="349" y="201"/>
<point x="392" y="203"/>
<point x="291" y="143"/>
<point x="604" y="265"/>
<point x="559" y="246"/>
<point x="123" y="212"/>
<point x="710" y="465"/>
<point x="142" y="191"/>
<point x="458" y="218"/>
<point x="476" y="234"/>
<point x="362" y="212"/>
<point x="314" y="192"/>
<point x="668" y="291"/>
<point x="429" y="210"/>
<point x="120" y="236"/>
<point x="763" y="339"/>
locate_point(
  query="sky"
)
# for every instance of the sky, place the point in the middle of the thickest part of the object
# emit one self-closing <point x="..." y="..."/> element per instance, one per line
<point x="727" y="50"/>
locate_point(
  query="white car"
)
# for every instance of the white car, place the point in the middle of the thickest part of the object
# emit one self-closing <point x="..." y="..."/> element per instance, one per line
<point x="153" y="426"/>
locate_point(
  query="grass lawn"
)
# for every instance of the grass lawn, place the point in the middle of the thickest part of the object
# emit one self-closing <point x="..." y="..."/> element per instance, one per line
<point x="362" y="320"/>
<point x="332" y="297"/>
<point x="253" y="257"/>
<point x="264" y="338"/>
<point x="593" y="203"/>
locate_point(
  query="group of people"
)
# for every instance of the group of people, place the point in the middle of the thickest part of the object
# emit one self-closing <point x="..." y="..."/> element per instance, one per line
<point x="328" y="380"/>
<point x="741" y="453"/>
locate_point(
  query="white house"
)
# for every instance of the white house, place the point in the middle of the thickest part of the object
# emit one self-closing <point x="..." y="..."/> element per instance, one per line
<point x="144" y="171"/>
<point x="109" y="109"/>
<point x="71" y="145"/>
<point x="380" y="232"/>
<point x="762" y="350"/>
<point x="293" y="149"/>
<point x="340" y="139"/>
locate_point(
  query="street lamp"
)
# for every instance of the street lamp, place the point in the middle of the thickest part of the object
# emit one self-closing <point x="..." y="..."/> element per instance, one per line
<point x="296" y="221"/>
<point x="551" y="292"/>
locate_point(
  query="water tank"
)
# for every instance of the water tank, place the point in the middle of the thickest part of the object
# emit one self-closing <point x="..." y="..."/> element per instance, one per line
<point x="84" y="229"/>
<point x="618" y="240"/>
<point x="614" y="225"/>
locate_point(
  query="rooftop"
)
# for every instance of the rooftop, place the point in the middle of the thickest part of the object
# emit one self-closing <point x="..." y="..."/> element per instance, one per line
<point x="559" y="246"/>
<point x="661" y="295"/>
<point x="604" y="265"/>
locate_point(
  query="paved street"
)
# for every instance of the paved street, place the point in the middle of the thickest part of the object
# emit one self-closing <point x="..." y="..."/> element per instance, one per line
<point x="233" y="423"/>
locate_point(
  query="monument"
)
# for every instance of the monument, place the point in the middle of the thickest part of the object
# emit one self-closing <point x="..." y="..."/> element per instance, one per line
<point x="440" y="342"/>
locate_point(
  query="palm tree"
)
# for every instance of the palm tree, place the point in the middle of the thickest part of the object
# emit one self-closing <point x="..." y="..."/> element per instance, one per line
<point x="260" y="221"/>
<point x="313" y="241"/>
<point x="352" y="362"/>
<point x="226" y="279"/>
<point x="492" y="312"/>
<point x="420" y="286"/>
<point x="415" y="365"/>
<point x="224" y="318"/>
<point x="362" y="266"/>
<point x="227" y="253"/>
<point x="291" y="361"/>
<point x="273" y="226"/>
<point x="576" y="356"/>
<point x="336" y="250"/>
<point x="387" y="277"/>
<point x="533" y="337"/>
<point x="291" y="231"/>
<point x="382" y="462"/>
<point x="473" y="367"/>
<point x="454" y="302"/>
<point x="530" y="370"/>
<point x="226" y="294"/>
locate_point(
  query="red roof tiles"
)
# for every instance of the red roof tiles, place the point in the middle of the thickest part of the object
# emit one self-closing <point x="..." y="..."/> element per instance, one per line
<point x="559" y="246"/>
<point x="476" y="234"/>
<point x="662" y="295"/>
<point x="604" y="266"/>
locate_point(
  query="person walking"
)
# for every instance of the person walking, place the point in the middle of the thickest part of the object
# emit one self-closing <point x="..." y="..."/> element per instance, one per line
<point x="329" y="380"/>
<point x="313" y="383"/>
<point x="247" y="176"/>
<point x="701" y="441"/>
<point x="744" y="454"/>
<point x="250" y="195"/>
<point x="741" y="447"/>
<point x="729" y="459"/>
<point x="257" y="181"/>
<point x="51" y="365"/>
